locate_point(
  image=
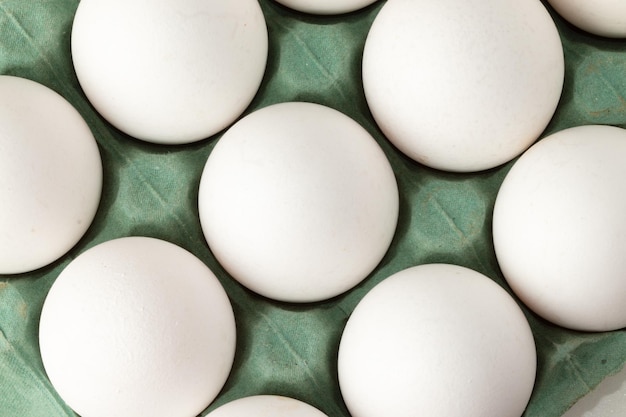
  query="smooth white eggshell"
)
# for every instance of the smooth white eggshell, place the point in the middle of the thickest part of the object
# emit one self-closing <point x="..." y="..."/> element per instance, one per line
<point x="266" y="406"/>
<point x="50" y="176"/>
<point x="326" y="7"/>
<point x="298" y="202"/>
<point x="137" y="327"/>
<point x="170" y="71"/>
<point x="600" y="17"/>
<point x="440" y="341"/>
<point x="463" y="85"/>
<point x="559" y="228"/>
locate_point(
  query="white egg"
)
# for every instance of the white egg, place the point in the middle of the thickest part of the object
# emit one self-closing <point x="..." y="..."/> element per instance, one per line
<point x="298" y="202"/>
<point x="600" y="17"/>
<point x="440" y="341"/>
<point x="266" y="406"/>
<point x="170" y="71"/>
<point x="463" y="85"/>
<point x="559" y="228"/>
<point x="137" y="326"/>
<point x="50" y="176"/>
<point x="326" y="7"/>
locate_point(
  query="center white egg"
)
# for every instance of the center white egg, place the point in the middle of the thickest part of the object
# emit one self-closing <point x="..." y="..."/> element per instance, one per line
<point x="298" y="202"/>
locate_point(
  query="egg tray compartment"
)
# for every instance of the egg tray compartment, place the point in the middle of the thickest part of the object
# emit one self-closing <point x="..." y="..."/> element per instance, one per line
<point x="290" y="349"/>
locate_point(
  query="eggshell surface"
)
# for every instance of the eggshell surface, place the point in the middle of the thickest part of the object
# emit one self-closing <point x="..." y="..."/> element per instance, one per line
<point x="463" y="85"/>
<point x="266" y="406"/>
<point x="559" y="229"/>
<point x="601" y="17"/>
<point x="169" y="71"/>
<point x="50" y="176"/>
<point x="437" y="340"/>
<point x="298" y="202"/>
<point x="137" y="326"/>
<point x="326" y="7"/>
